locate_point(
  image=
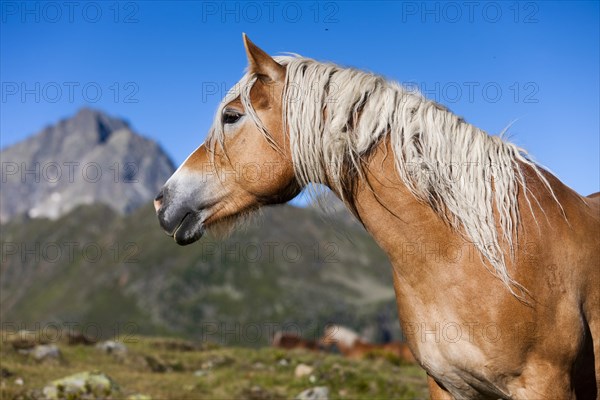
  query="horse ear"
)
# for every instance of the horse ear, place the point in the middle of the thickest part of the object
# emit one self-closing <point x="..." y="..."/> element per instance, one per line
<point x="262" y="64"/>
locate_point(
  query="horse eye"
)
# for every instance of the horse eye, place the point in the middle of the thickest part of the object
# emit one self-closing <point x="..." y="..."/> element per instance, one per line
<point x="231" y="116"/>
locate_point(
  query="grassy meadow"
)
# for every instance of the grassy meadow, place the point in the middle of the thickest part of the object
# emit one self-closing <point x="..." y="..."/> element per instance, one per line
<point x="159" y="368"/>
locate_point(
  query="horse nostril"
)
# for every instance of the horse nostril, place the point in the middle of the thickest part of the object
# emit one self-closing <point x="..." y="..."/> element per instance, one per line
<point x="158" y="200"/>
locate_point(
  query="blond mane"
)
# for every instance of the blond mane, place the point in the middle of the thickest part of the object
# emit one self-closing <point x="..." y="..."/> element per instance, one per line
<point x="335" y="116"/>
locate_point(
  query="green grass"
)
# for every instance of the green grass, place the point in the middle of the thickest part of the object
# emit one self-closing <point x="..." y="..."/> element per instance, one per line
<point x="227" y="372"/>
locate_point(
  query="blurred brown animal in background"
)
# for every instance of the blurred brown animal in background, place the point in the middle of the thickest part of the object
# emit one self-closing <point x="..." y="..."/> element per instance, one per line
<point x="289" y="340"/>
<point x="351" y="345"/>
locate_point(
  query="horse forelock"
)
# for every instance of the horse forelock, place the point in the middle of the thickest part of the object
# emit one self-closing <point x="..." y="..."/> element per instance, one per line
<point x="333" y="117"/>
<point x="240" y="90"/>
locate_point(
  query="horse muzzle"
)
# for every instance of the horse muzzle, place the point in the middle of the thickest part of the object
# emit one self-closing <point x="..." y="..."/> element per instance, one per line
<point x="183" y="223"/>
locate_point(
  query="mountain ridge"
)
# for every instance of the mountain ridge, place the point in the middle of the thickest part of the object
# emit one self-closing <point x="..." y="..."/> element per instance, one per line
<point x="88" y="158"/>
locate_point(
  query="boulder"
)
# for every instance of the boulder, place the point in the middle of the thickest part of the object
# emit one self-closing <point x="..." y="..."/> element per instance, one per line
<point x="316" y="393"/>
<point x="303" y="370"/>
<point x="112" y="347"/>
<point x="83" y="385"/>
<point x="45" y="352"/>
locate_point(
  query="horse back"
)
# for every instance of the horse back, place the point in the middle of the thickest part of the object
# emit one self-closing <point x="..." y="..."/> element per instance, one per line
<point x="594" y="196"/>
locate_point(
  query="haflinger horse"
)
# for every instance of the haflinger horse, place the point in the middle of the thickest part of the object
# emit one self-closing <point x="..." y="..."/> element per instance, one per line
<point x="351" y="345"/>
<point x="495" y="261"/>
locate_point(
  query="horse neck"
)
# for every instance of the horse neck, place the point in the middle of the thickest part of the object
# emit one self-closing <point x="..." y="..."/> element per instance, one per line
<point x="426" y="253"/>
<point x="404" y="228"/>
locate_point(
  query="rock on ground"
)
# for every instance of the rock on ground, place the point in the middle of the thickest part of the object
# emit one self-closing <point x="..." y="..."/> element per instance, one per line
<point x="44" y="352"/>
<point x="316" y="393"/>
<point x="83" y="385"/>
<point x="303" y="370"/>
<point x="112" y="347"/>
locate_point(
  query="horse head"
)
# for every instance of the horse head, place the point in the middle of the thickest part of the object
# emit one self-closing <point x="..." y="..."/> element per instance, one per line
<point x="244" y="164"/>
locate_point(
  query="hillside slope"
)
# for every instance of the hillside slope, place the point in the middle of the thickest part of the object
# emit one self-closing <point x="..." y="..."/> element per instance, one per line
<point x="291" y="269"/>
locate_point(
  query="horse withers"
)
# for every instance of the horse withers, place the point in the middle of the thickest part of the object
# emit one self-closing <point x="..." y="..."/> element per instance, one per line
<point x="495" y="261"/>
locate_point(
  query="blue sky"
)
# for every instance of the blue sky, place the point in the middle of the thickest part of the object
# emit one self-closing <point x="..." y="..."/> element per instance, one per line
<point x="165" y="66"/>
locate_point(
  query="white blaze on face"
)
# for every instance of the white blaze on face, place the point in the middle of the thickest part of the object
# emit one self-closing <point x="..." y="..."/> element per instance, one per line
<point x="190" y="187"/>
<point x="175" y="174"/>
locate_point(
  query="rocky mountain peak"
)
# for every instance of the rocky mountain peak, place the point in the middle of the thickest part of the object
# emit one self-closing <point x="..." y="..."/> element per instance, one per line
<point x="95" y="123"/>
<point x="88" y="158"/>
